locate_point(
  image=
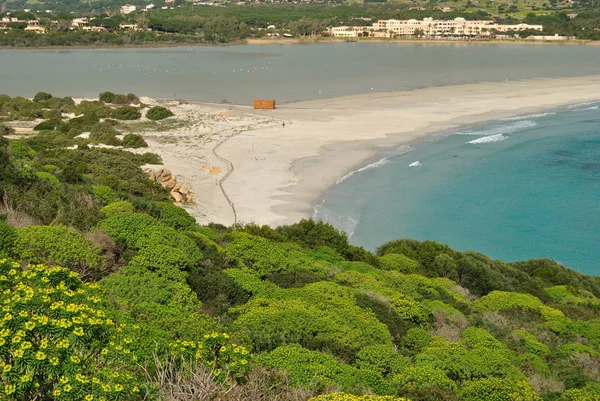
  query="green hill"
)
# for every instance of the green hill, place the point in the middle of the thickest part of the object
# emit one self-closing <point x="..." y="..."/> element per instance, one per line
<point x="116" y="294"/>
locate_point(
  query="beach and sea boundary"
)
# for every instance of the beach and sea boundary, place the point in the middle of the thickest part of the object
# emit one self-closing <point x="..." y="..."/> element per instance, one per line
<point x="280" y="172"/>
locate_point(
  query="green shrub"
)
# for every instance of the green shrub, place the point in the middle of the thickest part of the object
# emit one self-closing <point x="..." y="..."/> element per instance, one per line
<point x="350" y="397"/>
<point x="50" y="178"/>
<point x="5" y="130"/>
<point x="266" y="257"/>
<point x="319" y="316"/>
<point x="116" y="208"/>
<point x="158" y="113"/>
<point x="494" y="389"/>
<point x="530" y="343"/>
<point x="103" y="128"/>
<point x="159" y="303"/>
<point x="165" y="260"/>
<point x="42" y="96"/>
<point x="126" y="113"/>
<point x="416" y="340"/>
<point x="107" y="97"/>
<point x="104" y="194"/>
<point x="382" y="359"/>
<point x="311" y="369"/>
<point x="59" y="246"/>
<point x="52" y="115"/>
<point x="104" y="133"/>
<point x="423" y="378"/>
<point x="172" y="216"/>
<point x="47" y="125"/>
<point x="134" y="141"/>
<point x="8" y="236"/>
<point x="92" y="109"/>
<point x="401" y="263"/>
<point x="81" y="124"/>
<point x="106" y="139"/>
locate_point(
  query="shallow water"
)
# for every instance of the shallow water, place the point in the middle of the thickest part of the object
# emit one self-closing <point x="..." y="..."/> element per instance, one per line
<point x="512" y="189"/>
<point x="237" y="74"/>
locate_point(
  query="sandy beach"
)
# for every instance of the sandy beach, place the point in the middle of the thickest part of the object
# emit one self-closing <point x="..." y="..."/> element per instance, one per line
<point x="280" y="172"/>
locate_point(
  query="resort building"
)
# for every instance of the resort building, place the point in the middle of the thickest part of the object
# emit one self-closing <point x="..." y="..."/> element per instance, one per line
<point x="129" y="27"/>
<point x="128" y="9"/>
<point x="35" y="29"/>
<point x="79" y="22"/>
<point x="350" y="31"/>
<point x="94" y="28"/>
<point x="428" y="27"/>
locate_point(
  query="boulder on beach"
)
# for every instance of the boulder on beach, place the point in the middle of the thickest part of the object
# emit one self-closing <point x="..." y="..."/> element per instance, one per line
<point x="180" y="192"/>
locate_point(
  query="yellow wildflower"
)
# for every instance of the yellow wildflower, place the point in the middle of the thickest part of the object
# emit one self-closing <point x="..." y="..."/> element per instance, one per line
<point x="10" y="389"/>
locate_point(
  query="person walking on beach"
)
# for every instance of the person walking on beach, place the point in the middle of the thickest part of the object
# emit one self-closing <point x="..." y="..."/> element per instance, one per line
<point x="283" y="124"/>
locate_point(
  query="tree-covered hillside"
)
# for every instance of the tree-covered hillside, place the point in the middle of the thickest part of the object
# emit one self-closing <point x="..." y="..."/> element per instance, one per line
<point x="110" y="292"/>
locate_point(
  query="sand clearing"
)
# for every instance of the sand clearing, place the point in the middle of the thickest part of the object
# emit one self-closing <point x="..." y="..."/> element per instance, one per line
<point x="280" y="171"/>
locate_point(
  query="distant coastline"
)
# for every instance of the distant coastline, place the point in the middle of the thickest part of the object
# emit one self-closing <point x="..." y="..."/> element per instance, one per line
<point x="292" y="41"/>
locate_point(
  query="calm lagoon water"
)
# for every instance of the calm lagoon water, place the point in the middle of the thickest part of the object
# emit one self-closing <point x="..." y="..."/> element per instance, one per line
<point x="512" y="189"/>
<point x="238" y="74"/>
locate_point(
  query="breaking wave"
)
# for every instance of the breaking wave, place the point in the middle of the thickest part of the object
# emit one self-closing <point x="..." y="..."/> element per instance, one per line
<point x="527" y="117"/>
<point x="587" y="108"/>
<point x="396" y="152"/>
<point x="415" y="164"/>
<point x="488" y="139"/>
<point x="502" y="129"/>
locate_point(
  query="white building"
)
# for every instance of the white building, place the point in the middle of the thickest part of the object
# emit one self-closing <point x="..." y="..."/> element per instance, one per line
<point x="79" y="22"/>
<point x="128" y="9"/>
<point x="428" y="27"/>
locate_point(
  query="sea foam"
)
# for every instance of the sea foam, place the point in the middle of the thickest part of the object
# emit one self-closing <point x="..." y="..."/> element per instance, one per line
<point x="527" y="117"/>
<point x="415" y="164"/>
<point x="501" y="129"/>
<point x="488" y="139"/>
<point x="339" y="221"/>
<point x="378" y="163"/>
<point x="587" y="108"/>
<point x="395" y="152"/>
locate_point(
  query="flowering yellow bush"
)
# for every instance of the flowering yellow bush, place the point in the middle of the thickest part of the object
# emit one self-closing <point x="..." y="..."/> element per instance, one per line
<point x="350" y="397"/>
<point x="56" y="342"/>
<point x="227" y="361"/>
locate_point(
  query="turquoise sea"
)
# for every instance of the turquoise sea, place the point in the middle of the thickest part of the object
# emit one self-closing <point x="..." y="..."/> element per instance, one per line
<point x="513" y="189"/>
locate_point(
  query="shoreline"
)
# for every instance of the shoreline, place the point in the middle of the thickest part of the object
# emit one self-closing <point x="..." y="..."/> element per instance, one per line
<point x="306" y="41"/>
<point x="285" y="172"/>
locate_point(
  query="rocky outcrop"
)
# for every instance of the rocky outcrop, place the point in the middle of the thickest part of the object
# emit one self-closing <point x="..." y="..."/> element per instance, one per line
<point x="181" y="192"/>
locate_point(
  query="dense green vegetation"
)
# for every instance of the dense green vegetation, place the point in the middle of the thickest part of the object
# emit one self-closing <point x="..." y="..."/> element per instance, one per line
<point x="209" y="25"/>
<point x="111" y="292"/>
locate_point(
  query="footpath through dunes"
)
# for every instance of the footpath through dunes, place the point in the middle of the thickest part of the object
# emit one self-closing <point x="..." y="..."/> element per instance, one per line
<point x="281" y="170"/>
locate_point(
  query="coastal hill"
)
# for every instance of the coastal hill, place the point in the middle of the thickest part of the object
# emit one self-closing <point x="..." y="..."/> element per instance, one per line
<point x="110" y="291"/>
<point x="86" y="24"/>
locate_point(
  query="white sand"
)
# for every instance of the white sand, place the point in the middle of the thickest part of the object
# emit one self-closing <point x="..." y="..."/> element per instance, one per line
<point x="280" y="172"/>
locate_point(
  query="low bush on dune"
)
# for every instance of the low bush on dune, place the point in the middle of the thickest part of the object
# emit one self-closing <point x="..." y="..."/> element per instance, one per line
<point x="158" y="113"/>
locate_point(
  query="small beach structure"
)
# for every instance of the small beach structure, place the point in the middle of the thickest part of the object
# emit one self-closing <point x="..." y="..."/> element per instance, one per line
<point x="264" y="104"/>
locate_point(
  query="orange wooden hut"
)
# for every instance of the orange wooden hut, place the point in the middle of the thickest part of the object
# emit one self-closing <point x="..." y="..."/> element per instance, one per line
<point x="264" y="104"/>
